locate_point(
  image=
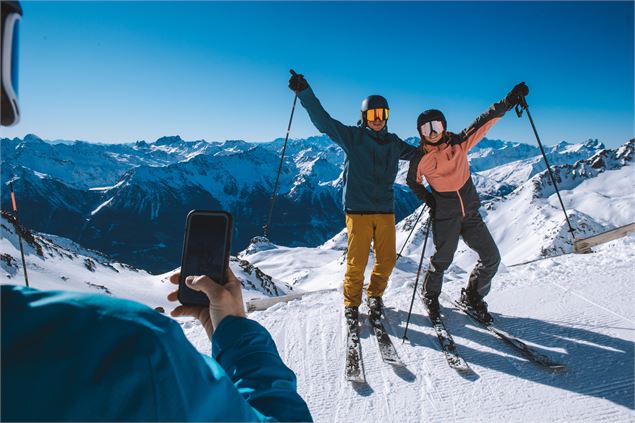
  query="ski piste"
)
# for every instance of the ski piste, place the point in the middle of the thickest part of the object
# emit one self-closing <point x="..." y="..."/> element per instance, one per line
<point x="354" y="367"/>
<point x="528" y="352"/>
<point x="386" y="347"/>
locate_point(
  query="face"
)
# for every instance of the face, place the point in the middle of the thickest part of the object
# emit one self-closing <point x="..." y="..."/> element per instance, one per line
<point x="377" y="125"/>
<point x="434" y="137"/>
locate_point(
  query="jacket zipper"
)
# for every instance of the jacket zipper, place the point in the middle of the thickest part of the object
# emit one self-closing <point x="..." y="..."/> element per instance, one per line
<point x="461" y="201"/>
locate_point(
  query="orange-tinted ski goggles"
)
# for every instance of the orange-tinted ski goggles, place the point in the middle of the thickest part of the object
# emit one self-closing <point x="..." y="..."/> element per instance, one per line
<point x="376" y="114"/>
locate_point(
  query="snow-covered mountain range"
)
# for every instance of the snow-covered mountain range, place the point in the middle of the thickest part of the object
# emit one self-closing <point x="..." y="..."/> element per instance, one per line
<point x="130" y="200"/>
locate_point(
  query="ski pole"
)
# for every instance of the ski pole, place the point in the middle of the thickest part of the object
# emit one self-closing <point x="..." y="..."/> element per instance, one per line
<point x="411" y="231"/>
<point x="275" y="188"/>
<point x="519" y="111"/>
<point x="414" y="291"/>
<point x="17" y="229"/>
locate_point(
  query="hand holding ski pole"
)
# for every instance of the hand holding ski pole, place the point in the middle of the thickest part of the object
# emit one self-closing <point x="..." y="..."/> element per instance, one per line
<point x="297" y="82"/>
<point x="516" y="96"/>
<point x="224" y="300"/>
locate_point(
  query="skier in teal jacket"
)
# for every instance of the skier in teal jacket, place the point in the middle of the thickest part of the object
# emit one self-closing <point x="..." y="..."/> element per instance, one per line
<point x="75" y="357"/>
<point x="370" y="170"/>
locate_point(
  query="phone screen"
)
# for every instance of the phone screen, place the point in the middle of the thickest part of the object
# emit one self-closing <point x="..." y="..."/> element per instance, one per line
<point x="205" y="251"/>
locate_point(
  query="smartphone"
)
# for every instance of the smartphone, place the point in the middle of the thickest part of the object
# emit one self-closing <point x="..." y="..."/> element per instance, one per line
<point x="206" y="248"/>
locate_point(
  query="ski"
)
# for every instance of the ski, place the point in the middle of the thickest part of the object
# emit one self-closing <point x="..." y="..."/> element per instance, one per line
<point x="448" y="347"/>
<point x="527" y="351"/>
<point x="354" y="371"/>
<point x="386" y="347"/>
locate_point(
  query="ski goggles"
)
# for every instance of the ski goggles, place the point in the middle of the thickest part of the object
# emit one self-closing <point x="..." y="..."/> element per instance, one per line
<point x="429" y="127"/>
<point x="9" y="68"/>
<point x="376" y="114"/>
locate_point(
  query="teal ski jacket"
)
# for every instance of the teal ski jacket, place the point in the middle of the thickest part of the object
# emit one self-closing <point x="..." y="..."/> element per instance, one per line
<point x="372" y="159"/>
<point x="69" y="356"/>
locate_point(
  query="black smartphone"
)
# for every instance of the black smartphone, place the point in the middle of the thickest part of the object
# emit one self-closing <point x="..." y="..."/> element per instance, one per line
<point x="206" y="247"/>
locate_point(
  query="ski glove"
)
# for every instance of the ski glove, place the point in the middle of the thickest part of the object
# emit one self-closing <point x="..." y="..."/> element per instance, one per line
<point x="516" y="94"/>
<point x="297" y="82"/>
<point x="428" y="198"/>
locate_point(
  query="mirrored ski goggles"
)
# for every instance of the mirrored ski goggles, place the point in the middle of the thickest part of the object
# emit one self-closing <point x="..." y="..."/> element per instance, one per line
<point x="9" y="70"/>
<point x="376" y="114"/>
<point x="429" y="127"/>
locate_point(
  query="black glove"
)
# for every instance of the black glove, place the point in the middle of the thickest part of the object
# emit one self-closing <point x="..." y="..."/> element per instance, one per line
<point x="430" y="202"/>
<point x="516" y="95"/>
<point x="297" y="82"/>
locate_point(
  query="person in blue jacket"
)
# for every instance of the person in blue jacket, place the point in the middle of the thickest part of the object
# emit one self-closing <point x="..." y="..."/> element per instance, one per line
<point x="70" y="356"/>
<point x="370" y="170"/>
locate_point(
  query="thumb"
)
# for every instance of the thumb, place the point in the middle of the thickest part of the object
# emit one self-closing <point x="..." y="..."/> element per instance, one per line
<point x="203" y="284"/>
<point x="292" y="72"/>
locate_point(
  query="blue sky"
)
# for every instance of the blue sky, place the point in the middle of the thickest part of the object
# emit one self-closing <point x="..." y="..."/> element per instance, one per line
<point x="126" y="71"/>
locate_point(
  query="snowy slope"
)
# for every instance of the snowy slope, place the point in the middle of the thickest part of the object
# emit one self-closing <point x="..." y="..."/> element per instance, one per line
<point x="555" y="305"/>
<point x="60" y="264"/>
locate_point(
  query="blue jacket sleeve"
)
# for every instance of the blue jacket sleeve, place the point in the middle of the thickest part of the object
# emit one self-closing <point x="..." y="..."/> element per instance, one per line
<point x="407" y="151"/>
<point x="249" y="356"/>
<point x="341" y="134"/>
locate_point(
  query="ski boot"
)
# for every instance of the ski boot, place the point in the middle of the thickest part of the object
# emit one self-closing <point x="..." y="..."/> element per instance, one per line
<point x="376" y="308"/>
<point x="352" y="322"/>
<point x="352" y="316"/>
<point x="431" y="301"/>
<point x="475" y="302"/>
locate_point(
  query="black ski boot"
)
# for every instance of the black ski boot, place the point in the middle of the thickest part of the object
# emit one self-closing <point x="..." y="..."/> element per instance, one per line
<point x="431" y="302"/>
<point x="475" y="302"/>
<point x="376" y="308"/>
<point x="352" y="324"/>
<point x="352" y="316"/>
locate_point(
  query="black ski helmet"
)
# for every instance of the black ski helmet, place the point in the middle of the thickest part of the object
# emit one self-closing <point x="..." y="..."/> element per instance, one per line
<point x="429" y="116"/>
<point x="373" y="102"/>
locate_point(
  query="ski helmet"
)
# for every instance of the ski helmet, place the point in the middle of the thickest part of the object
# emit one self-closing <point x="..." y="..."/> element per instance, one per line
<point x="373" y="102"/>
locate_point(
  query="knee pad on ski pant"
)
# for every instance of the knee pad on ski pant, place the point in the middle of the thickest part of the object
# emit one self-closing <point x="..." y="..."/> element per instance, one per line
<point x="385" y="248"/>
<point x="360" y="234"/>
<point x="483" y="273"/>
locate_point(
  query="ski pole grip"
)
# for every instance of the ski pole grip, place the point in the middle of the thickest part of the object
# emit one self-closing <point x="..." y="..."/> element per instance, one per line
<point x="15" y="208"/>
<point x="522" y="105"/>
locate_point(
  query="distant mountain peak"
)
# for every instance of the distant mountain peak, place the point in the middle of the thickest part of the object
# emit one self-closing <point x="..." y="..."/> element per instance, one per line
<point x="170" y="140"/>
<point x="32" y="138"/>
<point x="594" y="143"/>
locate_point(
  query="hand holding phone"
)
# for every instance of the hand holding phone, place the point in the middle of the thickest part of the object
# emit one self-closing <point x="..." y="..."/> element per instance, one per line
<point x="224" y="300"/>
<point x="206" y="248"/>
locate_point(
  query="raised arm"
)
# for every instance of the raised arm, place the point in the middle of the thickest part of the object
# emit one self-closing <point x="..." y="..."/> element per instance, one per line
<point x="471" y="135"/>
<point x="341" y="134"/>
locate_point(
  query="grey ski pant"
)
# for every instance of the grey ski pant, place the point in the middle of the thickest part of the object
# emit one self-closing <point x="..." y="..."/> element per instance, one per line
<point x="445" y="234"/>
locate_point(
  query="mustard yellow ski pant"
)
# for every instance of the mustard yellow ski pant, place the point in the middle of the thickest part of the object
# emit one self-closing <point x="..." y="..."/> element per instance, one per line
<point x="362" y="229"/>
